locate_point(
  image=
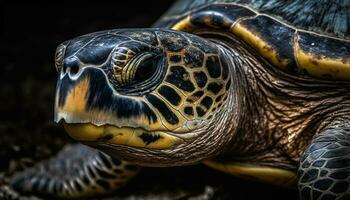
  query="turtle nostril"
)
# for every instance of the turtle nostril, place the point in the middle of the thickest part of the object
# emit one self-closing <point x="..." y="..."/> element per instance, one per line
<point x="74" y="69"/>
<point x="71" y="65"/>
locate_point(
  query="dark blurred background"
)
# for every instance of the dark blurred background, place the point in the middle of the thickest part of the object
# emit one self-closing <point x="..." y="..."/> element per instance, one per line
<point x="29" y="35"/>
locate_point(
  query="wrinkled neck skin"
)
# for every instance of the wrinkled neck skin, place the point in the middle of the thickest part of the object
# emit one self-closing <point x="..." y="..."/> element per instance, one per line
<point x="276" y="114"/>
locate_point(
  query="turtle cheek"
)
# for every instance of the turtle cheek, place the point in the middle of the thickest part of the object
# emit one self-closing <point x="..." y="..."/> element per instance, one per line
<point x="194" y="89"/>
<point x="185" y="100"/>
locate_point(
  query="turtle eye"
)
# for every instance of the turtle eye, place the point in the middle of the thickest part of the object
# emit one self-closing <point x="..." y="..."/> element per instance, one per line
<point x="140" y="73"/>
<point x="59" y="57"/>
<point x="145" y="69"/>
<point x="137" y="70"/>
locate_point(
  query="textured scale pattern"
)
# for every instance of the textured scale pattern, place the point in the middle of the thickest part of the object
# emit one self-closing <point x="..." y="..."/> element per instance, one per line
<point x="324" y="171"/>
<point x="210" y="75"/>
<point x="77" y="171"/>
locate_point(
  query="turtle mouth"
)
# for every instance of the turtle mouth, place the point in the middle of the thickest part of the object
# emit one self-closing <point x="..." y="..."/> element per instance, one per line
<point x="128" y="136"/>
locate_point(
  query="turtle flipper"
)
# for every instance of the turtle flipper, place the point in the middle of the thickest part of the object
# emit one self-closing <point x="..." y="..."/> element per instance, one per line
<point x="77" y="171"/>
<point x="324" y="171"/>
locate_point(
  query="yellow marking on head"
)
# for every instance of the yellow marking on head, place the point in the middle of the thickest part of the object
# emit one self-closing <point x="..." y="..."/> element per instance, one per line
<point x="322" y="66"/>
<point x="74" y="111"/>
<point x="193" y="98"/>
<point x="122" y="136"/>
<point x="76" y="97"/>
<point x="259" y="44"/>
<point x="270" y="175"/>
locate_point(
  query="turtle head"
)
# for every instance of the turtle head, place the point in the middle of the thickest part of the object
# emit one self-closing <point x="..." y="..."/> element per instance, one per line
<point x="151" y="96"/>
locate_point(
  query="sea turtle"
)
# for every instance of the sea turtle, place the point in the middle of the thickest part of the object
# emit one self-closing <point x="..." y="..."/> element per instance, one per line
<point x="255" y="88"/>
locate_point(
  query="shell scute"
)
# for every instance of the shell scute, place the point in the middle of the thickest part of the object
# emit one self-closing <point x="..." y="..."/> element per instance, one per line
<point x="323" y="57"/>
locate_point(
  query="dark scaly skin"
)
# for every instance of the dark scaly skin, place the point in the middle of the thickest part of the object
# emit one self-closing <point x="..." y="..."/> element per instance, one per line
<point x="77" y="171"/>
<point x="286" y="110"/>
<point x="324" y="171"/>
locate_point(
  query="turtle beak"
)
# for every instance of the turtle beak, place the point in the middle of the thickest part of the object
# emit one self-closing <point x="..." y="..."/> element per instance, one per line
<point x="108" y="134"/>
<point x="84" y="132"/>
<point x="71" y="93"/>
<point x="82" y="95"/>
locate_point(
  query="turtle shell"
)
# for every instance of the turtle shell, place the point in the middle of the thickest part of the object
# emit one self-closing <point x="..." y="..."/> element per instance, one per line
<point x="302" y="37"/>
